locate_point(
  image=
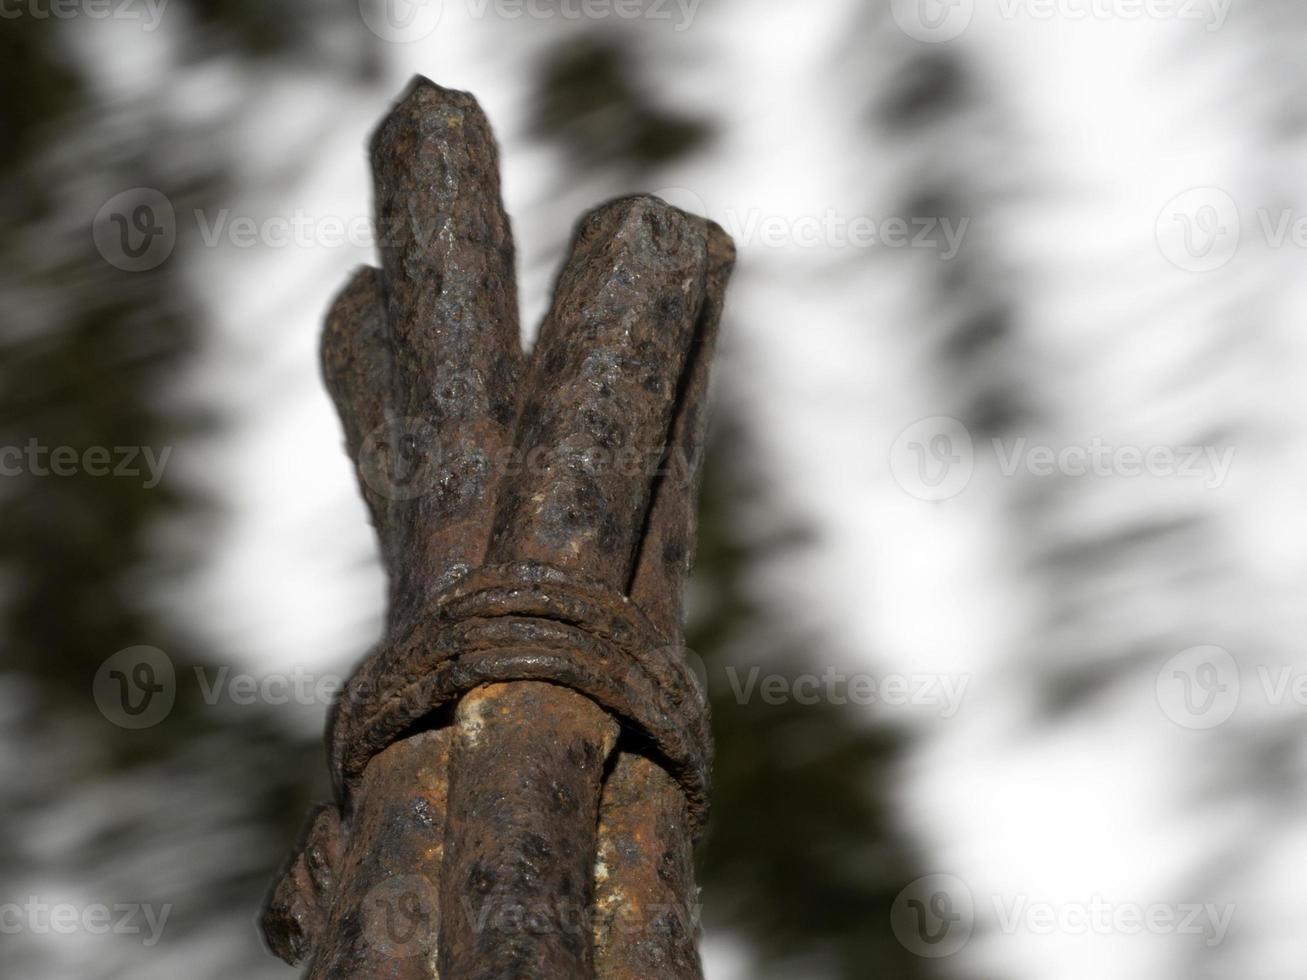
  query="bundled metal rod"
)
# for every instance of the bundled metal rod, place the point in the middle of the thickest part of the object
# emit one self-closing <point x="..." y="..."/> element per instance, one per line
<point x="522" y="763"/>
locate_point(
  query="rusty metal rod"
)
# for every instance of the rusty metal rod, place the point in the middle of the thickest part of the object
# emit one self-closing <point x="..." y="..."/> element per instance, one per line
<point x="522" y="762"/>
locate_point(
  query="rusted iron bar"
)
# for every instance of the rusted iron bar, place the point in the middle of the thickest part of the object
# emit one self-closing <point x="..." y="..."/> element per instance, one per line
<point x="522" y="763"/>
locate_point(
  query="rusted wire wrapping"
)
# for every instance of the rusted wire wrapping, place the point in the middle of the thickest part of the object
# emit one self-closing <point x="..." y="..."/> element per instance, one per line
<point x="522" y="764"/>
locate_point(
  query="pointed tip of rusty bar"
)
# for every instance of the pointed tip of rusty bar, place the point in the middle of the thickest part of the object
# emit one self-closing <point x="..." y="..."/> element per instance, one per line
<point x="420" y="95"/>
<point x="450" y="299"/>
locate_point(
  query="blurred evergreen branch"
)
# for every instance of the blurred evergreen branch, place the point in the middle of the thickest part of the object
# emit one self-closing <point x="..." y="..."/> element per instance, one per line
<point x="803" y="855"/>
<point x="94" y="357"/>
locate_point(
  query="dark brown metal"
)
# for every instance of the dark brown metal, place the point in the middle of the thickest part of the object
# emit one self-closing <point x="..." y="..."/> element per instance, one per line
<point x="383" y="915"/>
<point x="518" y="878"/>
<point x="646" y="905"/>
<point x="536" y="522"/>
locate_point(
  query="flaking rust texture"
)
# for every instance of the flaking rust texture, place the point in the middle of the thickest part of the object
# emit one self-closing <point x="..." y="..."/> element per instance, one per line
<point x="518" y="878"/>
<point x="522" y="763"/>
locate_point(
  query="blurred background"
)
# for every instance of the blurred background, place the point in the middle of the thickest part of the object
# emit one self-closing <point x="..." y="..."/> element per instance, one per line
<point x="1002" y="547"/>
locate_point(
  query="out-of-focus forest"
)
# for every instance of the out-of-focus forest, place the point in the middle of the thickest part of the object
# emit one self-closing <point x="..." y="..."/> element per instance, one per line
<point x="1039" y="163"/>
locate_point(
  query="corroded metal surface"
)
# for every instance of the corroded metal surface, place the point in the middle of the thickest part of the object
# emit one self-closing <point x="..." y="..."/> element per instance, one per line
<point x="646" y="921"/>
<point x="518" y="879"/>
<point x="382" y="921"/>
<point x="522" y="762"/>
<point x="526" y="621"/>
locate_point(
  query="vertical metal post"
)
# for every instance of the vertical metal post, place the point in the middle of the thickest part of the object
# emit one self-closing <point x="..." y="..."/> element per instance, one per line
<point x="522" y="762"/>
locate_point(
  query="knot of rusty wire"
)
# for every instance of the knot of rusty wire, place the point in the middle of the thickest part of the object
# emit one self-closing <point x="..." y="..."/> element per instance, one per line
<point x="522" y="764"/>
<point x="528" y="621"/>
